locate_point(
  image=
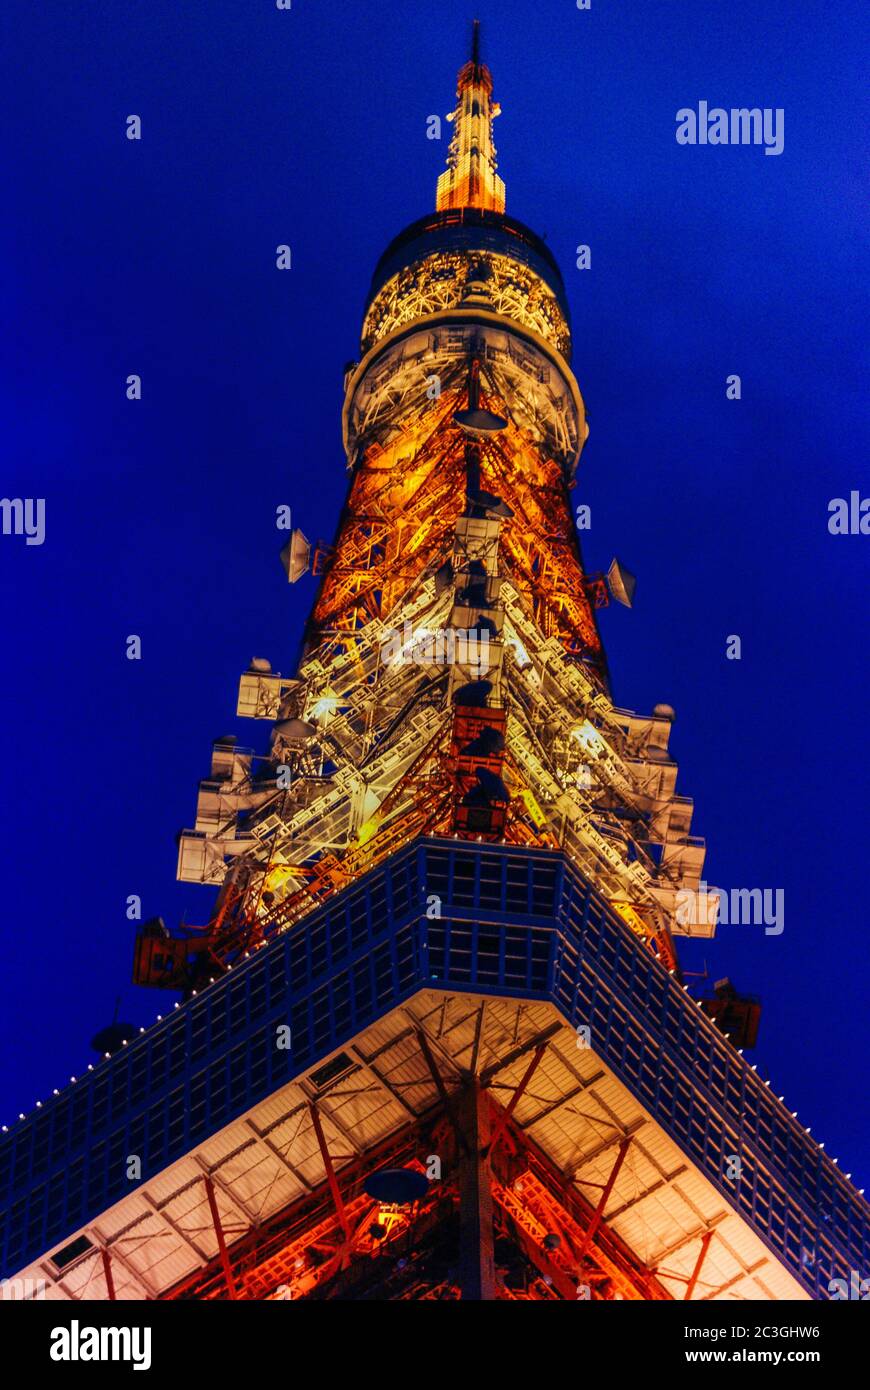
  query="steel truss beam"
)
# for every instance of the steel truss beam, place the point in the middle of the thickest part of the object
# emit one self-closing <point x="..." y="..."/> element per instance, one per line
<point x="325" y="1237"/>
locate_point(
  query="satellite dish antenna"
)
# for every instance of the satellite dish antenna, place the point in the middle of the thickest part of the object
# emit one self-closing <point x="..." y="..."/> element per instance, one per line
<point x="479" y="423"/>
<point x="490" y="503"/>
<point x="444" y="577"/>
<point x="473" y="595"/>
<point x="397" y="1186"/>
<point x="490" y="785"/>
<point x="476" y="283"/>
<point x="294" y="730"/>
<point x="112" y="1038"/>
<point x="474" y="693"/>
<point x="488" y="744"/>
<point x="621" y="583"/>
<point x="478" y="275"/>
<point x="296" y="555"/>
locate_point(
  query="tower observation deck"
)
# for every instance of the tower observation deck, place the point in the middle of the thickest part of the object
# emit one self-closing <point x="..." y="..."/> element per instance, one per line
<point x="434" y="1042"/>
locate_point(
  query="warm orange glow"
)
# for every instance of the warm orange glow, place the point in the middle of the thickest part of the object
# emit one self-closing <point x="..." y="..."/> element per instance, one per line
<point x="470" y="179"/>
<point x="401" y="516"/>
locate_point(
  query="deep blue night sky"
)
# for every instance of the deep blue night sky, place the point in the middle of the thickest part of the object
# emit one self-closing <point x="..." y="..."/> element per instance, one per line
<point x="309" y="127"/>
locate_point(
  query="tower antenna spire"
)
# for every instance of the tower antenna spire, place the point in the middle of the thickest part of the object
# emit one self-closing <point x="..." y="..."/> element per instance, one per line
<point x="470" y="179"/>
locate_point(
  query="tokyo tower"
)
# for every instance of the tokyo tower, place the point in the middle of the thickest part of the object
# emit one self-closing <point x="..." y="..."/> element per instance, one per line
<point x="434" y="1042"/>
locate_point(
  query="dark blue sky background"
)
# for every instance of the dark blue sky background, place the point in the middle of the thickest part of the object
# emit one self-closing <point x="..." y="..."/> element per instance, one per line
<point x="308" y="127"/>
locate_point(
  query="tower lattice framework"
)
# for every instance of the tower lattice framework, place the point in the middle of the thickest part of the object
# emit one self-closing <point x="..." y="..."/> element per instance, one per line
<point x="434" y="1042"/>
<point x="453" y="684"/>
<point x="453" y="680"/>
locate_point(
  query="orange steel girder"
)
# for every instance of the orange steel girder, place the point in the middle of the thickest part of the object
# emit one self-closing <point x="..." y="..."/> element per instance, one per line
<point x="401" y="513"/>
<point x="430" y="791"/>
<point x="333" y="1235"/>
<point x="399" y="520"/>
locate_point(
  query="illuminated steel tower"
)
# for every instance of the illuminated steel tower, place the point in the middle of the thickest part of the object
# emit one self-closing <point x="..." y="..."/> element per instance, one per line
<point x="434" y="1041"/>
